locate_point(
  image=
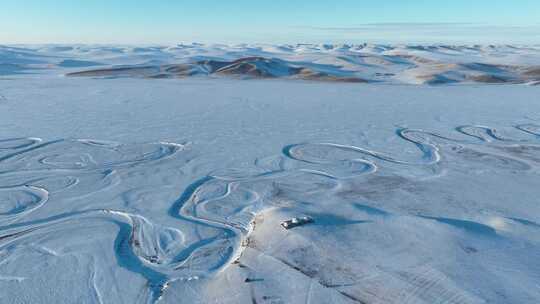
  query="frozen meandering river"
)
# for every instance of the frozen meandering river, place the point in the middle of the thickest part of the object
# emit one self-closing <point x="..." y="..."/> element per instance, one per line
<point x="143" y="191"/>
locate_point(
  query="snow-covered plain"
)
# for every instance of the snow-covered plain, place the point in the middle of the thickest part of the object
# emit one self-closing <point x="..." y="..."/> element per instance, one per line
<point x="125" y="189"/>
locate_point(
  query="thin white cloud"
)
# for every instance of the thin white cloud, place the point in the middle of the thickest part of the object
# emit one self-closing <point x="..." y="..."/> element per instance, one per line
<point x="429" y="33"/>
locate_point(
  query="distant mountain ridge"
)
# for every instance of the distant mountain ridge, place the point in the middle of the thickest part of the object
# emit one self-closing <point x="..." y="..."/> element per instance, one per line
<point x="366" y="63"/>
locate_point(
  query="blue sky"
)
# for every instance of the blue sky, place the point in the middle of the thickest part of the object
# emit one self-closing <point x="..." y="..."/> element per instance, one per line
<point x="266" y="21"/>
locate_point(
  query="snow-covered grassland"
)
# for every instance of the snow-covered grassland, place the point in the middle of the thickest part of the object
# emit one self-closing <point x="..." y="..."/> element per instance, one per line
<point x="163" y="174"/>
